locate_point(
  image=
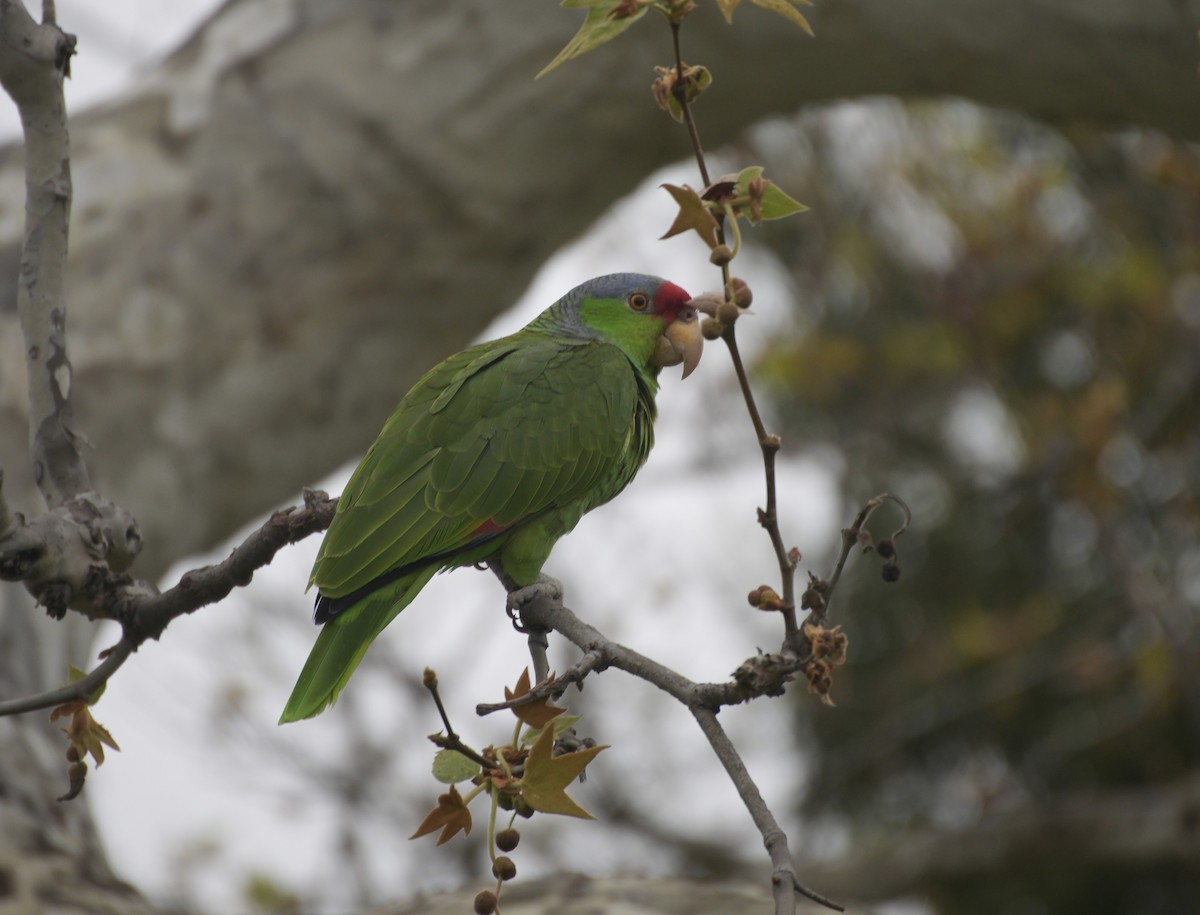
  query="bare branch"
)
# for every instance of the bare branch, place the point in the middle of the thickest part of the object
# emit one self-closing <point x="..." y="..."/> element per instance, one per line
<point x="142" y="611"/>
<point x="80" y="689"/>
<point x="34" y="59"/>
<point x="603" y="652"/>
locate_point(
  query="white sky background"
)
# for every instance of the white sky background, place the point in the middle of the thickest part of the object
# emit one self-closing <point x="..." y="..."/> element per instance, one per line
<point x="207" y="786"/>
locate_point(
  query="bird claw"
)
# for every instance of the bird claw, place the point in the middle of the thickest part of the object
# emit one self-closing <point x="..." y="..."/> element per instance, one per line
<point x="545" y="587"/>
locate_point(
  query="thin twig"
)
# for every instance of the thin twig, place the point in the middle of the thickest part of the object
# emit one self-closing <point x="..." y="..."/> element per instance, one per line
<point x="850" y="540"/>
<point x="80" y="689"/>
<point x="590" y="662"/>
<point x="769" y="444"/>
<point x="144" y="613"/>
<point x="783" y="878"/>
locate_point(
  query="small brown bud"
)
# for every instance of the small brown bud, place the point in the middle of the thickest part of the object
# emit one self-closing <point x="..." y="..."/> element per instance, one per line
<point x="886" y="548"/>
<point x="485" y="903"/>
<point x="72" y="753"/>
<point x="429" y="678"/>
<point x="740" y="292"/>
<point x="711" y="329"/>
<point x="727" y="312"/>
<point x="503" y="868"/>
<point x="891" y="571"/>
<point x="721" y="255"/>
<point x="507" y="839"/>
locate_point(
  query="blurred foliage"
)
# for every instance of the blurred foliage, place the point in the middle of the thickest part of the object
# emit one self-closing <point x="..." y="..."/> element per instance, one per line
<point x="1001" y="324"/>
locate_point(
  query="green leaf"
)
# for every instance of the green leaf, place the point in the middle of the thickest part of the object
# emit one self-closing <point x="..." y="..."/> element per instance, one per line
<point x="560" y="724"/>
<point x="450" y="766"/>
<point x="547" y="777"/>
<point x="75" y="674"/>
<point x="786" y="9"/>
<point x="766" y="201"/>
<point x="600" y="26"/>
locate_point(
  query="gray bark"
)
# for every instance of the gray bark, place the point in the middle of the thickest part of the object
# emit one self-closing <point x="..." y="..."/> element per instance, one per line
<point x="312" y="201"/>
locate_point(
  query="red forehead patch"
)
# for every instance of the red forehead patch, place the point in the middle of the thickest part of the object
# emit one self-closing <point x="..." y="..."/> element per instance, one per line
<point x="669" y="299"/>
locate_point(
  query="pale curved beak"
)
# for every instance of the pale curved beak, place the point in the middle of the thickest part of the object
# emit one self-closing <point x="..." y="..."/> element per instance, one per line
<point x="681" y="342"/>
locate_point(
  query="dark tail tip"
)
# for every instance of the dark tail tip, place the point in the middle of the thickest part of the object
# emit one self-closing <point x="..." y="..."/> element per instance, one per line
<point x="325" y="609"/>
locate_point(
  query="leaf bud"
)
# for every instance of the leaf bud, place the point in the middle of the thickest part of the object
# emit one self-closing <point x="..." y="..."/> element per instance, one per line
<point x="886" y="548"/>
<point x="429" y="678"/>
<point x="727" y="312"/>
<point x="891" y="571"/>
<point x="503" y="868"/>
<point x="507" y="839"/>
<point x="485" y="903"/>
<point x="721" y="255"/>
<point x="739" y="292"/>
<point x="711" y="329"/>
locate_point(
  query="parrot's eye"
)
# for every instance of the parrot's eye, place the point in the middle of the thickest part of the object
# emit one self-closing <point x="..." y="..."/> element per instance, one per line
<point x="639" y="301"/>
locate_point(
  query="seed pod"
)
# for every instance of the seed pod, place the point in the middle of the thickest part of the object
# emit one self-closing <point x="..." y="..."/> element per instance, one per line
<point x="721" y="255"/>
<point x="503" y="868"/>
<point x="728" y="312"/>
<point x="507" y="839"/>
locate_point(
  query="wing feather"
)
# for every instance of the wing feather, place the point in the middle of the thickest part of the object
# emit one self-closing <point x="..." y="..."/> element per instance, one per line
<point x="499" y="433"/>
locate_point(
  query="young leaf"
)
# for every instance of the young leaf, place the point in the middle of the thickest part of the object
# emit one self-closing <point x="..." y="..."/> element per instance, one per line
<point x="75" y="674"/>
<point x="786" y="9"/>
<point x="606" y="19"/>
<point x="693" y="214"/>
<point x="767" y="201"/>
<point x="535" y="714"/>
<point x="547" y="776"/>
<point x="450" y="766"/>
<point x="450" y="815"/>
<point x="560" y="724"/>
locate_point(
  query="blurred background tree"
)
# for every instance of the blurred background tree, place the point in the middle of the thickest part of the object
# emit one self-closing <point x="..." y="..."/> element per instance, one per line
<point x="1002" y="323"/>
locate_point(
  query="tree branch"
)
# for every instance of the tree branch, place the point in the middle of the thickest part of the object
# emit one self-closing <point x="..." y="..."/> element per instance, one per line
<point x="144" y="613"/>
<point x="702" y="700"/>
<point x="34" y="59"/>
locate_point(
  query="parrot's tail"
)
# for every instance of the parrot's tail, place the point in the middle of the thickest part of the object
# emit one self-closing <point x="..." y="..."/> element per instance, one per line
<point x="343" y="642"/>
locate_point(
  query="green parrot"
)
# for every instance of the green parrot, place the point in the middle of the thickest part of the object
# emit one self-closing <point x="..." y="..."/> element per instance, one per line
<point x="491" y="457"/>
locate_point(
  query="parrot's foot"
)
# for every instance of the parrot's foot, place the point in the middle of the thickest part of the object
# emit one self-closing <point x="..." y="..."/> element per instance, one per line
<point x="545" y="588"/>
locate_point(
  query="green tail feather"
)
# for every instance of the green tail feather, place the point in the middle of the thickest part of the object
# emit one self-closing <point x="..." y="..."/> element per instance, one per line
<point x="343" y="642"/>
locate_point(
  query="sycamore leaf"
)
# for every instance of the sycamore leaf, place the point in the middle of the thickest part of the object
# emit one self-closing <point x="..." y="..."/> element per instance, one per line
<point x="786" y="9"/>
<point x="535" y="714"/>
<point x="606" y="19"/>
<point x="767" y="201"/>
<point x="450" y="815"/>
<point x="547" y="776"/>
<point x="693" y="214"/>
<point x="450" y="766"/>
<point x="86" y="735"/>
<point x="75" y="674"/>
<point x="560" y="724"/>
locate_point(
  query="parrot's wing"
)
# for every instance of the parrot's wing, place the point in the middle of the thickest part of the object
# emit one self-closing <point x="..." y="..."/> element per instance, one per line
<point x="493" y="436"/>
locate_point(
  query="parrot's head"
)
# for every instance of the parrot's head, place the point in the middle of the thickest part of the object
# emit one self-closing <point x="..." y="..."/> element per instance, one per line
<point x="652" y="319"/>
